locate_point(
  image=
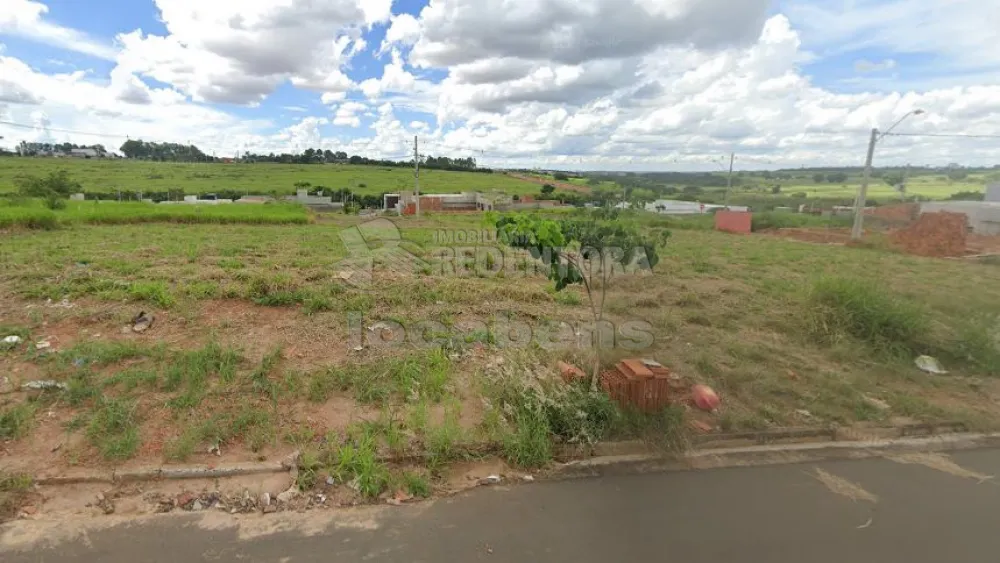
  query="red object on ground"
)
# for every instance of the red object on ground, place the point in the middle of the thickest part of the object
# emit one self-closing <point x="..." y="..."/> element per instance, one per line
<point x="738" y="222"/>
<point x="633" y="384"/>
<point x="571" y="373"/>
<point x="704" y="397"/>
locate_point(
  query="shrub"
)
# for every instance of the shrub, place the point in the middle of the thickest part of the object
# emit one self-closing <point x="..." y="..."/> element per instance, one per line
<point x="870" y="312"/>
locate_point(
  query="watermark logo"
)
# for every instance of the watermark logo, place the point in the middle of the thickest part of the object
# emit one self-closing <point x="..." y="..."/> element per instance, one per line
<point x="374" y="247"/>
<point x="501" y="331"/>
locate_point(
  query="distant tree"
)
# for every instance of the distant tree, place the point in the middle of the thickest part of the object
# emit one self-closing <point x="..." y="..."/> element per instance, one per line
<point x="54" y="188"/>
<point x="836" y="177"/>
<point x="592" y="181"/>
<point x="776" y="189"/>
<point x="893" y="178"/>
<point x="768" y="175"/>
<point x="958" y="174"/>
<point x="819" y="177"/>
<point x="548" y="188"/>
<point x="692" y="190"/>
<point x="561" y="176"/>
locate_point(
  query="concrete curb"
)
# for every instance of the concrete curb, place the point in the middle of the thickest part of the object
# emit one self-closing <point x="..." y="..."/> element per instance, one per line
<point x="757" y="448"/>
<point x="748" y="456"/>
<point x="163" y="473"/>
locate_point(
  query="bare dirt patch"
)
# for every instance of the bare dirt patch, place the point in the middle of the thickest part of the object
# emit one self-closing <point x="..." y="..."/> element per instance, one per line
<point x="560" y="185"/>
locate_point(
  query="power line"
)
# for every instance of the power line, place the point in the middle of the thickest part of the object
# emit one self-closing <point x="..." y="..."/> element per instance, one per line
<point x="54" y="130"/>
<point x="953" y="135"/>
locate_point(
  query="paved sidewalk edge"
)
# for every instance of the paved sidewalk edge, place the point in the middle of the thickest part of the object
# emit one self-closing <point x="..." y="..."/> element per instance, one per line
<point x="602" y="458"/>
<point x="649" y="461"/>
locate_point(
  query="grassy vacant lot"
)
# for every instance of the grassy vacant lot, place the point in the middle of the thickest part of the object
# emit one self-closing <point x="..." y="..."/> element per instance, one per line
<point x="257" y="349"/>
<point x="263" y="178"/>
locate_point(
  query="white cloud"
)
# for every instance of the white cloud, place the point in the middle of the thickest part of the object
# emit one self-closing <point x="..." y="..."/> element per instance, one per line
<point x="404" y="30"/>
<point x="346" y="114"/>
<point x="239" y="51"/>
<point x="866" y="66"/>
<point x="587" y="84"/>
<point x="25" y="18"/>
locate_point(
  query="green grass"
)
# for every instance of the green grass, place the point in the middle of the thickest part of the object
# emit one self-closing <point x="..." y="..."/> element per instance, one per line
<point x="14" y="488"/>
<point x="356" y="463"/>
<point x="32" y="216"/>
<point x="114" y="428"/>
<point x="16" y="421"/>
<point x="426" y="374"/>
<point x="870" y="312"/>
<point x="263" y="178"/>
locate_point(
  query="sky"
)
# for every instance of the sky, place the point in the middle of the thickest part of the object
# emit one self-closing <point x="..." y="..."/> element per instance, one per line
<point x="566" y="84"/>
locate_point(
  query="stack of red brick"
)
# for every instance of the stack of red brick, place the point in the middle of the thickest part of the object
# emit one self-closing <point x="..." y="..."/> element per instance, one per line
<point x="644" y="385"/>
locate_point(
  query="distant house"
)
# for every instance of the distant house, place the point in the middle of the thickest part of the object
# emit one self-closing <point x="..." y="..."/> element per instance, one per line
<point x="85" y="153"/>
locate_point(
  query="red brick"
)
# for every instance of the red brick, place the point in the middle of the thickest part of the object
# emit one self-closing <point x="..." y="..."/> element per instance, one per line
<point x="636" y="369"/>
<point x="738" y="222"/>
<point x="570" y="373"/>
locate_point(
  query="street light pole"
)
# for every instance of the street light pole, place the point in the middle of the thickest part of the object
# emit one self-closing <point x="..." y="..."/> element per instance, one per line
<point x="729" y="180"/>
<point x="862" y="198"/>
<point x="859" y="202"/>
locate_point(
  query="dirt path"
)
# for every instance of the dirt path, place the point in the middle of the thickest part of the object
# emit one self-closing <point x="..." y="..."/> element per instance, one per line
<point x="559" y="185"/>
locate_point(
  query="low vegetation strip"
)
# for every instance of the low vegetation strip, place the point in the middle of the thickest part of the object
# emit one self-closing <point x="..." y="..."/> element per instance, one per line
<point x="32" y="215"/>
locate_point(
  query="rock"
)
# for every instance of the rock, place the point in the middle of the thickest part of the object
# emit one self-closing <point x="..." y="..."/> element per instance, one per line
<point x="291" y="494"/>
<point x="196" y="506"/>
<point x="330" y="481"/>
<point x="700" y="427"/>
<point x="491" y="480"/>
<point x="214" y="449"/>
<point x="164" y="506"/>
<point x="5" y="385"/>
<point x="43" y="345"/>
<point x="291" y="460"/>
<point x="142" y="322"/>
<point x="527" y="479"/>
<point x="12" y="339"/>
<point x="265" y="499"/>
<point x="100" y="497"/>
<point x="185" y="499"/>
<point x="877" y="403"/>
<point x="29" y="510"/>
<point x="269" y="509"/>
<point x="43" y="385"/>
<point x="930" y="365"/>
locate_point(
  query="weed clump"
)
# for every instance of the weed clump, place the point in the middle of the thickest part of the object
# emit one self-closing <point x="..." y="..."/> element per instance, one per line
<point x="867" y="311"/>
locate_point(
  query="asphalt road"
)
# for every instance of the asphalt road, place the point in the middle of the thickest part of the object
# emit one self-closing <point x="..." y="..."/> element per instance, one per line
<point x="931" y="509"/>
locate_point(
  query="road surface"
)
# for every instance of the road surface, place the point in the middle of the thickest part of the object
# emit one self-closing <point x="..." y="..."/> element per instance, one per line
<point x="929" y="508"/>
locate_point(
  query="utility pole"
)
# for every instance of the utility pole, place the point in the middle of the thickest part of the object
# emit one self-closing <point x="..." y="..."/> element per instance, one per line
<point x="729" y="181"/>
<point x="416" y="175"/>
<point x="859" y="203"/>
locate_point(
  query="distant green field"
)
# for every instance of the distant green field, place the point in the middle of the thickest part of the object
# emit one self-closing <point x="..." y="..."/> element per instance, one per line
<point x="933" y="187"/>
<point x="262" y="178"/>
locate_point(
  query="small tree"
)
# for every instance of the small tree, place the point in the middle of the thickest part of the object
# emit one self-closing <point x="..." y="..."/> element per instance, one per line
<point x="561" y="176"/>
<point x="54" y="188"/>
<point x="894" y="179"/>
<point x="819" y="177"/>
<point x="547" y="189"/>
<point x="581" y="250"/>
